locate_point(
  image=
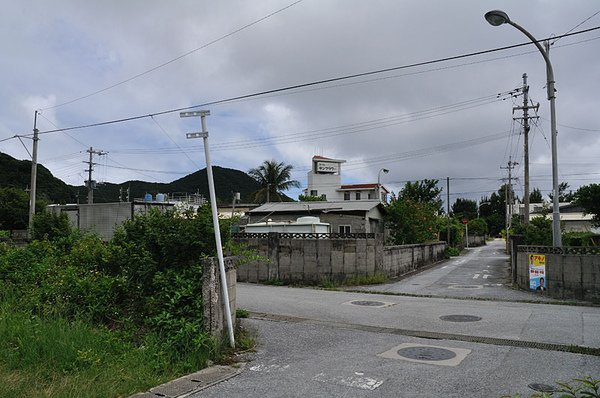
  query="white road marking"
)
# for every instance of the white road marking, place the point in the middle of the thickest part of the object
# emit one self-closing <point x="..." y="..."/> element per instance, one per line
<point x="358" y="381"/>
<point x="475" y="276"/>
<point x="261" y="367"/>
<point x="486" y="276"/>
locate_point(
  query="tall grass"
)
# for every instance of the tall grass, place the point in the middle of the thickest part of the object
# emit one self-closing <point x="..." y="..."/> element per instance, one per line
<point x="52" y="357"/>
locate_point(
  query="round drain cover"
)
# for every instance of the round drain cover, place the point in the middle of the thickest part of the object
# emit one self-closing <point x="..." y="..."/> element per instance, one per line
<point x="368" y="303"/>
<point x="460" y="318"/>
<point x="426" y="353"/>
<point x="541" y="387"/>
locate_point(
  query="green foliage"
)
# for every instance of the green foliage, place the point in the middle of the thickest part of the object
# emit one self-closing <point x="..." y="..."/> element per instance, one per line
<point x="536" y="196"/>
<point x="241" y="313"/>
<point x="478" y="226"/>
<point x="588" y="197"/>
<point x="537" y="233"/>
<point x="425" y="191"/>
<point x="14" y="208"/>
<point x="147" y="279"/>
<point x="457" y="231"/>
<point x="464" y="208"/>
<point x="308" y="198"/>
<point x="411" y="222"/>
<point x="452" y="252"/>
<point x="273" y="178"/>
<point x="578" y="238"/>
<point x="563" y="195"/>
<point x="47" y="225"/>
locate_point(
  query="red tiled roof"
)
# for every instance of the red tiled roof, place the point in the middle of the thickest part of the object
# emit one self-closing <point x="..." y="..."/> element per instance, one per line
<point x="321" y="157"/>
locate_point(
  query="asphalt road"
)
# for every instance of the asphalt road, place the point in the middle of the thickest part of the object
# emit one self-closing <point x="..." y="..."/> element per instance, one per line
<point x="317" y="343"/>
<point x="482" y="272"/>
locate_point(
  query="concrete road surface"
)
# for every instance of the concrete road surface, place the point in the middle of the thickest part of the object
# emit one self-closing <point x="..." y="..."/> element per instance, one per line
<point x="317" y="343"/>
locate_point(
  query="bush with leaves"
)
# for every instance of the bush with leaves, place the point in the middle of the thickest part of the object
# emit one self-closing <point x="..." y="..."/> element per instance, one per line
<point x="411" y="222"/>
<point x="537" y="233"/>
<point x="147" y="280"/>
<point x="478" y="226"/>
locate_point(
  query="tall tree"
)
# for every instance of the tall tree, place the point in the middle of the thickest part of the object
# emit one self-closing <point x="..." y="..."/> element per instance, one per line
<point x="536" y="196"/>
<point x="274" y="178"/>
<point x="588" y="197"/>
<point x="14" y="208"/>
<point x="563" y="195"/>
<point x="465" y="208"/>
<point x="425" y="191"/>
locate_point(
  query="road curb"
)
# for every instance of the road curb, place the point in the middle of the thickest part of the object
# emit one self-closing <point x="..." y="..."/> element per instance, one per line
<point x="194" y="382"/>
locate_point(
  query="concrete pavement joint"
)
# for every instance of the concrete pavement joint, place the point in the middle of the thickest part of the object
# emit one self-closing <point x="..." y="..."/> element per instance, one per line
<point x="555" y="302"/>
<point x="576" y="349"/>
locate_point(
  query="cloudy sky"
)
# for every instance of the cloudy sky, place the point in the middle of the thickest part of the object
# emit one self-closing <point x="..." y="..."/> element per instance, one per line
<point x="82" y="63"/>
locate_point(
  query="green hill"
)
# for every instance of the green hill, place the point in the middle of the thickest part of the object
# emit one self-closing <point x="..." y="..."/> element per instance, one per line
<point x="17" y="173"/>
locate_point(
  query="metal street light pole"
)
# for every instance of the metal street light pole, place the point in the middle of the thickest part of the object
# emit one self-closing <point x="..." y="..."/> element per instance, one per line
<point x="215" y="216"/>
<point x="379" y="182"/>
<point x="497" y="18"/>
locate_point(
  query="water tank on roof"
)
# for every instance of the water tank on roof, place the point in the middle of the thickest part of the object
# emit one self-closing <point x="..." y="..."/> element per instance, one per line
<point x="148" y="197"/>
<point x="308" y="220"/>
<point x="160" y="197"/>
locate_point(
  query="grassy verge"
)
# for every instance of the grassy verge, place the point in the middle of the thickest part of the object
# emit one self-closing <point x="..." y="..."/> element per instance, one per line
<point x="51" y="357"/>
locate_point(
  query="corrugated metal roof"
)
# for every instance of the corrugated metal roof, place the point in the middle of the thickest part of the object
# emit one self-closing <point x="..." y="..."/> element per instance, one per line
<point x="355" y="205"/>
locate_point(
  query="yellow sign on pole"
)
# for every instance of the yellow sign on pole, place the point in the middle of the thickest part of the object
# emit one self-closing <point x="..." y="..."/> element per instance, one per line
<point x="537" y="271"/>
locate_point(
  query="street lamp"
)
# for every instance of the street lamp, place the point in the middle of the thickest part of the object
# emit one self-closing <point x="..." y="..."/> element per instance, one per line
<point x="497" y="18"/>
<point x="379" y="182"/>
<point x="213" y="205"/>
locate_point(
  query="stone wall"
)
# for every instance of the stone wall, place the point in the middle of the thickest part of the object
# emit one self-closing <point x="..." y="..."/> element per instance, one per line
<point x="288" y="258"/>
<point x="215" y="321"/>
<point x="400" y="260"/>
<point x="571" y="272"/>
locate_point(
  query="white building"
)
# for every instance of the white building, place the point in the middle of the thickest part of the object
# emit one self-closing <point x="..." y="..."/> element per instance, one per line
<point x="325" y="179"/>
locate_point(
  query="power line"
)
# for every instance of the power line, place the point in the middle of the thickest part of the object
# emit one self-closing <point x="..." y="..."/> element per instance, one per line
<point x="578" y="25"/>
<point x="177" y="58"/>
<point x="314" y="83"/>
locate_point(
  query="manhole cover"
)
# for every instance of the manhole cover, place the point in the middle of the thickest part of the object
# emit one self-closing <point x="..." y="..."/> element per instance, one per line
<point x="460" y="318"/>
<point x="426" y="353"/>
<point x="541" y="387"/>
<point x="368" y="303"/>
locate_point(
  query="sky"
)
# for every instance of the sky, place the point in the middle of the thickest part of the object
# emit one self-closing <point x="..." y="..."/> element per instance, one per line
<point x="81" y="63"/>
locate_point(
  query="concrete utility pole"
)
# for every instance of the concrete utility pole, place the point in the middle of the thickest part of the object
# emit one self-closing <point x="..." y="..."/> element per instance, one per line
<point x="508" y="197"/>
<point x="91" y="184"/>
<point x="215" y="216"/>
<point x="525" y="108"/>
<point x="32" y="191"/>
<point x="448" y="209"/>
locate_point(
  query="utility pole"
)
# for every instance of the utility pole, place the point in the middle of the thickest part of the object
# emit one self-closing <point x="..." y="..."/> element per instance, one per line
<point x="32" y="192"/>
<point x="525" y="108"/>
<point x="91" y="184"/>
<point x="508" y="197"/>
<point x="448" y="209"/>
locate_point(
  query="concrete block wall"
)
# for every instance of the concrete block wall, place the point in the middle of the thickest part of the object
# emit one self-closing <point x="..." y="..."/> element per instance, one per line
<point x="399" y="260"/>
<point x="310" y="260"/>
<point x="215" y="321"/>
<point x="574" y="273"/>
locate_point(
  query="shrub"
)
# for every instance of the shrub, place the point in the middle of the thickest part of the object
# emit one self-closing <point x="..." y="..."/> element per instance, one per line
<point x="47" y="225"/>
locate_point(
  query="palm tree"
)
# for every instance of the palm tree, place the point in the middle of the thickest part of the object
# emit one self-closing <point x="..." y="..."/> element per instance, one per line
<point x="273" y="178"/>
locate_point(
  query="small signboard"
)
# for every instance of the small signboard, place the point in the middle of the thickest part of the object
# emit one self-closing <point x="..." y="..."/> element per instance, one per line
<point x="537" y="271"/>
<point x="327" y="167"/>
<point x="465" y="221"/>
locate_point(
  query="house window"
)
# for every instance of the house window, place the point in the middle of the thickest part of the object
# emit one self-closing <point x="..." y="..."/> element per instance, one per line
<point x="344" y="229"/>
<point x="313" y="192"/>
<point x="358" y="196"/>
<point x="370" y="196"/>
<point x="346" y="195"/>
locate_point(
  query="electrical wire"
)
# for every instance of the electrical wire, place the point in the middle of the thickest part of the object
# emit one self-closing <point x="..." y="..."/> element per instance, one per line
<point x="578" y="25"/>
<point x="314" y="83"/>
<point x="176" y="58"/>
